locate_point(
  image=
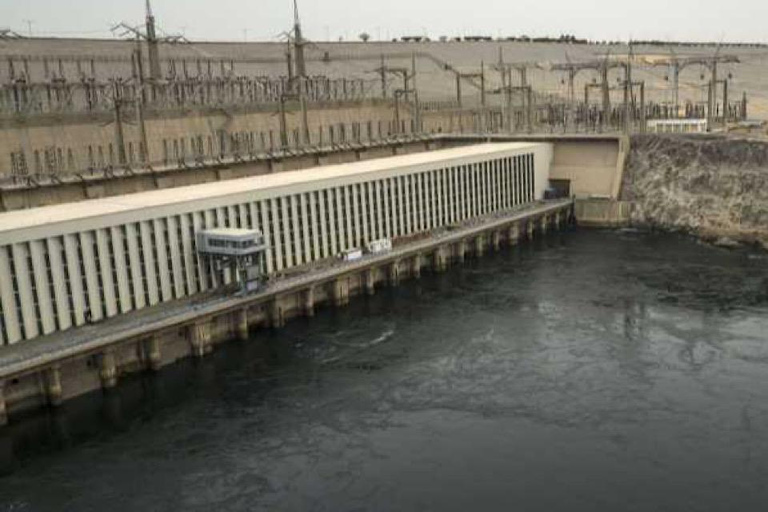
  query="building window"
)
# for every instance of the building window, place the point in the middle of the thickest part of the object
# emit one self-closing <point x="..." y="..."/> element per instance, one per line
<point x="38" y="163"/>
<point x="16" y="296"/>
<point x="83" y="280"/>
<point x="70" y="160"/>
<point x="68" y="282"/>
<point x="18" y="163"/>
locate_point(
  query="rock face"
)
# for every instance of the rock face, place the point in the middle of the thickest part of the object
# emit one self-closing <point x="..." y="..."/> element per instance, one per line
<point x="711" y="186"/>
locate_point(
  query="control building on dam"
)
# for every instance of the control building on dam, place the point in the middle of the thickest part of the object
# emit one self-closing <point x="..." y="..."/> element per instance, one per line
<point x="69" y="265"/>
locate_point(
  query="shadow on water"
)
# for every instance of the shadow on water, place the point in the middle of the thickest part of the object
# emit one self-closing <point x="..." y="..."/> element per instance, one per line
<point x="99" y="416"/>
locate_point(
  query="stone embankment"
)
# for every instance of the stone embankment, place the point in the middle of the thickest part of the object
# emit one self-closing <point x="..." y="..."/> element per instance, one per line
<point x="713" y="187"/>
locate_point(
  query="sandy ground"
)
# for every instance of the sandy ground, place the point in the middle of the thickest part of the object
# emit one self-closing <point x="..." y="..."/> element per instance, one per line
<point x="360" y="60"/>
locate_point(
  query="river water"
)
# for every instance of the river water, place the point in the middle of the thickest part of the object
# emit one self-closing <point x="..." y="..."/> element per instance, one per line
<point x="594" y="370"/>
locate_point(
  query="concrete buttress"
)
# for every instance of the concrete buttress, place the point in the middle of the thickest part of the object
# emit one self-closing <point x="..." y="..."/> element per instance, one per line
<point x="152" y="353"/>
<point x="496" y="240"/>
<point x="241" y="318"/>
<point x="514" y="234"/>
<point x="53" y="389"/>
<point x="276" y="317"/>
<point x="480" y="246"/>
<point x="200" y="338"/>
<point x="370" y="282"/>
<point x="441" y="259"/>
<point x="341" y="292"/>
<point x="416" y="266"/>
<point x="3" y="409"/>
<point x="394" y="273"/>
<point x="108" y="369"/>
<point x="309" y="302"/>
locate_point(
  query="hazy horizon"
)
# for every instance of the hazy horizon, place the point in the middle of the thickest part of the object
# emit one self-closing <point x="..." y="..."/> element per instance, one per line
<point x="238" y="20"/>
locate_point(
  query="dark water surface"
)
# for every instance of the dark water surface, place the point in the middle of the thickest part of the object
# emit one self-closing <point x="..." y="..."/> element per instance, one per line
<point x="592" y="371"/>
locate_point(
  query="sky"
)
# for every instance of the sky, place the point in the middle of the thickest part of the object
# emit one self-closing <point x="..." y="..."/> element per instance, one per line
<point x="264" y="20"/>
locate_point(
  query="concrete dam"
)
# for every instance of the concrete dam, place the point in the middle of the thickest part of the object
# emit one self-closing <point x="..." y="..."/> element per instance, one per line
<point x="105" y="287"/>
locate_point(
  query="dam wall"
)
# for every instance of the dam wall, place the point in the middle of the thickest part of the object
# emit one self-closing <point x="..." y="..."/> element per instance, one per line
<point x="60" y="144"/>
<point x="141" y="179"/>
<point x="597" y="161"/>
<point x="54" y="149"/>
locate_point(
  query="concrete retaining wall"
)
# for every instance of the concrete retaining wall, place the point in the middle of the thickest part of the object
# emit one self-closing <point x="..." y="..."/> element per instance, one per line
<point x="593" y="168"/>
<point x="603" y="212"/>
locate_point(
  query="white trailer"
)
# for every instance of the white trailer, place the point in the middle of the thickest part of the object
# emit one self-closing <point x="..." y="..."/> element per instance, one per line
<point x="351" y="255"/>
<point x="379" y="246"/>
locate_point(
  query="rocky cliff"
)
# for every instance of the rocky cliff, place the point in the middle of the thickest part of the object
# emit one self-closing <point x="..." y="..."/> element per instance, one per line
<point x="712" y="186"/>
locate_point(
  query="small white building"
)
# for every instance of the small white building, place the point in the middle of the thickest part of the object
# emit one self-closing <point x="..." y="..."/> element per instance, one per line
<point x="379" y="246"/>
<point x="234" y="254"/>
<point x="677" y="126"/>
<point x="351" y="255"/>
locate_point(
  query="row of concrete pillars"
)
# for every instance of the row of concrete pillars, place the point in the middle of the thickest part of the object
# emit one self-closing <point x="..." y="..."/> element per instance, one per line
<point x="108" y="369"/>
<point x="437" y="258"/>
<point x="200" y="334"/>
